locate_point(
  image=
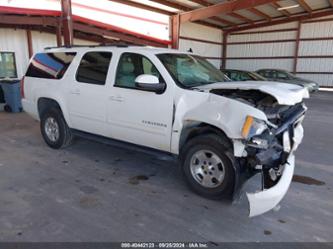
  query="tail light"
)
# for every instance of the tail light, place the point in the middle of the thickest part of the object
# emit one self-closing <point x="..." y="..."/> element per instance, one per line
<point x="22" y="87"/>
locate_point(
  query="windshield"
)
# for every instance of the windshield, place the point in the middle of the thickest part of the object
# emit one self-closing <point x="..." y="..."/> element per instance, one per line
<point x="191" y="70"/>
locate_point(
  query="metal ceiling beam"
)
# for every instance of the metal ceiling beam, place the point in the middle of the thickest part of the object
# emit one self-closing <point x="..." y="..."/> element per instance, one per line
<point x="173" y="5"/>
<point x="235" y="15"/>
<point x="302" y="17"/>
<point x="27" y="20"/>
<point x="184" y="7"/>
<point x="215" y="18"/>
<point x="229" y="23"/>
<point x="221" y="8"/>
<point x="238" y="16"/>
<point x="144" y="6"/>
<point x="305" y="6"/>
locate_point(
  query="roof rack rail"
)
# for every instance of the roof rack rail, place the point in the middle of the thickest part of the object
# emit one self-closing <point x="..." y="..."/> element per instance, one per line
<point x="73" y="46"/>
<point x="121" y="45"/>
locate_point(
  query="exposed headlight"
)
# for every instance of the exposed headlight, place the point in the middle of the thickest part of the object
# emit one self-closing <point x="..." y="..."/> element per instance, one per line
<point x="252" y="127"/>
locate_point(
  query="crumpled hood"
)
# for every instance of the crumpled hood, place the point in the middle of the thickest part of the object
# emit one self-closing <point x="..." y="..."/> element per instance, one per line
<point x="285" y="94"/>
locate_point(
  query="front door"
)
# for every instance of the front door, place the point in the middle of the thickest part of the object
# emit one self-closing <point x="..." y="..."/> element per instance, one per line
<point x="87" y="95"/>
<point x="137" y="116"/>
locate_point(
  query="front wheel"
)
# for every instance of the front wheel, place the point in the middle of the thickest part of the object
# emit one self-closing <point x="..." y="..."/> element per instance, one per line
<point x="54" y="129"/>
<point x="207" y="166"/>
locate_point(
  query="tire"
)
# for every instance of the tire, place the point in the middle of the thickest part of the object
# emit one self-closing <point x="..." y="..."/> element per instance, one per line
<point x="7" y="108"/>
<point x="213" y="147"/>
<point x="52" y="120"/>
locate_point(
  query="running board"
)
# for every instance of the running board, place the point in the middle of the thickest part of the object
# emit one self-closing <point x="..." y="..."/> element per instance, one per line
<point x="125" y="145"/>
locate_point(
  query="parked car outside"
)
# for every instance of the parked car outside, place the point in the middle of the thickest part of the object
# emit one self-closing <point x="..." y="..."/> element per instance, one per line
<point x="287" y="77"/>
<point x="176" y="103"/>
<point x="241" y="75"/>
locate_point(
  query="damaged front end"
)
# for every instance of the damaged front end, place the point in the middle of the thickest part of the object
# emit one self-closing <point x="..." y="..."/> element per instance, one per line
<point x="275" y="162"/>
<point x="269" y="146"/>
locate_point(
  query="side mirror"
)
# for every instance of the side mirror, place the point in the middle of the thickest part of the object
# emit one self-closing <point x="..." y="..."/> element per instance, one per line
<point x="150" y="83"/>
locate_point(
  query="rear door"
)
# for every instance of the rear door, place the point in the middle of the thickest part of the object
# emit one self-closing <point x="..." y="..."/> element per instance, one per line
<point x="87" y="95"/>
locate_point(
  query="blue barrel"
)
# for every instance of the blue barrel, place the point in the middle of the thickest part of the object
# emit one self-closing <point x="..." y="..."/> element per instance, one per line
<point x="11" y="90"/>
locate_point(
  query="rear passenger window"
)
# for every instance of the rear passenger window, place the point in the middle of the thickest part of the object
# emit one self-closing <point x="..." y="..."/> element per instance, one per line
<point x="50" y="65"/>
<point x="94" y="67"/>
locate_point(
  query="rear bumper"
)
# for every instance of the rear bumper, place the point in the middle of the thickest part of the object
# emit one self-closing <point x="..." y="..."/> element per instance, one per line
<point x="267" y="199"/>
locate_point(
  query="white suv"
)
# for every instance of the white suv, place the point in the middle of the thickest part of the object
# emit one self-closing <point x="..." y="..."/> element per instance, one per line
<point x="178" y="103"/>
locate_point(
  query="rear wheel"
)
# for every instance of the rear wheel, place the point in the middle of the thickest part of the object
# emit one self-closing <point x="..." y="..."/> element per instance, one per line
<point x="7" y="108"/>
<point x="54" y="129"/>
<point x="207" y="166"/>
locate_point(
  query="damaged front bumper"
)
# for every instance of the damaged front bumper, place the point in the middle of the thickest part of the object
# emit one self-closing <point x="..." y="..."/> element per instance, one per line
<point x="265" y="200"/>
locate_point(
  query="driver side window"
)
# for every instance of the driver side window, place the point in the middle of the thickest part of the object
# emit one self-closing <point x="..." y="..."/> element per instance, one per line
<point x="132" y="65"/>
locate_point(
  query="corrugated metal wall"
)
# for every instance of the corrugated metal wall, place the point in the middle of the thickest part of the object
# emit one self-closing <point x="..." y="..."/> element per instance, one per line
<point x="275" y="49"/>
<point x="42" y="40"/>
<point x="196" y="31"/>
<point x="262" y="49"/>
<point x="12" y="40"/>
<point x="316" y="48"/>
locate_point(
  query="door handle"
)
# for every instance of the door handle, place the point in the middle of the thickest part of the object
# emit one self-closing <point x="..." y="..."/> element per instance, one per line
<point x="116" y="98"/>
<point x="75" y="91"/>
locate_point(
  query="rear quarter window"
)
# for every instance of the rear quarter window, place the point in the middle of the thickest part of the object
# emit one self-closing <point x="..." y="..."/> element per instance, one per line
<point x="50" y="65"/>
<point x="93" y="68"/>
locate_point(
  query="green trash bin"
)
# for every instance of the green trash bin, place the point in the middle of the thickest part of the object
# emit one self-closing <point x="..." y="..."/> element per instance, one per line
<point x="12" y="95"/>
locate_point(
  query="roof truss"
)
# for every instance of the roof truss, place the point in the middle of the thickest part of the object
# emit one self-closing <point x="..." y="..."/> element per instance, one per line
<point x="316" y="14"/>
<point x="211" y="14"/>
<point x="221" y="8"/>
<point x="305" y="6"/>
<point x="84" y="29"/>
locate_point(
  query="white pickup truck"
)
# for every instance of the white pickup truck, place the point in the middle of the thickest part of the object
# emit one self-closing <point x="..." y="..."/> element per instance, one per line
<point x="178" y="103"/>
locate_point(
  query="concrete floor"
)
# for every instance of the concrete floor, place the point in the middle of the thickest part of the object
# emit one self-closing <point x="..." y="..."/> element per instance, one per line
<point x="91" y="192"/>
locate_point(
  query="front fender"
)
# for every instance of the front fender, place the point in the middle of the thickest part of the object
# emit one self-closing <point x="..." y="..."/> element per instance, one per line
<point x="224" y="113"/>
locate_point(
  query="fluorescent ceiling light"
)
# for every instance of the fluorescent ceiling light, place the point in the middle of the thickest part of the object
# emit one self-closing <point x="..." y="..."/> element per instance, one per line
<point x="289" y="7"/>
